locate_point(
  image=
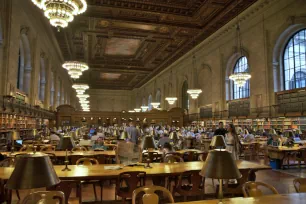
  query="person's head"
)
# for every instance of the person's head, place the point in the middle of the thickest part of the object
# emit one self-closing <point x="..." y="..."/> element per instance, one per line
<point x="99" y="141"/>
<point x="167" y="146"/>
<point x="131" y="124"/>
<point x="231" y="128"/>
<point x="220" y="124"/>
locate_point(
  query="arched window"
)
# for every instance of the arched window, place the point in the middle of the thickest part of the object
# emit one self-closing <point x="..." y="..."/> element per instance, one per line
<point x="241" y="92"/>
<point x="294" y="62"/>
<point x="185" y="97"/>
<point x="158" y="96"/>
<point x="149" y="102"/>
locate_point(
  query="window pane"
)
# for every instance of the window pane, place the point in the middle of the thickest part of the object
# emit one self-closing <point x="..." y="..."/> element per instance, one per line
<point x="241" y="92"/>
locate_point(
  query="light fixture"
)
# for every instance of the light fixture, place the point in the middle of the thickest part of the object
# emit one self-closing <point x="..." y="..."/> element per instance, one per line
<point x="80" y="88"/>
<point x="61" y="12"/>
<point x="83" y="96"/>
<point x="155" y="104"/>
<point x="84" y="102"/>
<point x="75" y="69"/>
<point x="194" y="93"/>
<point x="131" y="111"/>
<point x="144" y="108"/>
<point x="171" y="100"/>
<point x="137" y="110"/>
<point x="239" y="78"/>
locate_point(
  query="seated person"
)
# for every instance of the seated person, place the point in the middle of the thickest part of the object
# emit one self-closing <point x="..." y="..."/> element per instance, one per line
<point x="94" y="137"/>
<point x="167" y="148"/>
<point x="164" y="139"/>
<point x="249" y="138"/>
<point x="99" y="144"/>
<point x="54" y="137"/>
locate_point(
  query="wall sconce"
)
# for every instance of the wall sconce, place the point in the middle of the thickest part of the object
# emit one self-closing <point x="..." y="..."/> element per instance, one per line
<point x="91" y="118"/>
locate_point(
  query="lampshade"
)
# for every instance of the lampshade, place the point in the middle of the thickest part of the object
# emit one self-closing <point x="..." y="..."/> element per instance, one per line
<point x="148" y="143"/>
<point x="124" y="135"/>
<point x="66" y="143"/>
<point x="15" y="135"/>
<point x="218" y="141"/>
<point x="137" y="110"/>
<point x="34" y="132"/>
<point x="220" y="165"/>
<point x="31" y="171"/>
<point x="173" y="136"/>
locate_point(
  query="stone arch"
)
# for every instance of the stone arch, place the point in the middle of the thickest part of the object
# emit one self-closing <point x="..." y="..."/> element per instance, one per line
<point x="231" y="62"/>
<point x="27" y="65"/>
<point x="278" y="51"/>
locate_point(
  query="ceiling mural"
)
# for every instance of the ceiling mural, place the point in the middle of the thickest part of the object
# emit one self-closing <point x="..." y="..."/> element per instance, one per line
<point x="127" y="42"/>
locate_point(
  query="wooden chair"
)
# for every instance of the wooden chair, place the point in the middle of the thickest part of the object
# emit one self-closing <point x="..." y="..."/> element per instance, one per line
<point x="195" y="186"/>
<point x="79" y="149"/>
<point x="49" y="197"/>
<point x="66" y="187"/>
<point x="27" y="148"/>
<point x="300" y="185"/>
<point x="153" y="156"/>
<point x="86" y="161"/>
<point x="8" y="162"/>
<point x="169" y="158"/>
<point x="47" y="148"/>
<point x="150" y="197"/>
<point x="127" y="182"/>
<point x="250" y="189"/>
<point x="203" y="156"/>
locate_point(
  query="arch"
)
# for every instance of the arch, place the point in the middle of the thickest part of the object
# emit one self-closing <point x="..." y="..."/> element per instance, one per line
<point x="241" y="92"/>
<point x="149" y="102"/>
<point x="20" y="71"/>
<point x="185" y="97"/>
<point x="27" y="68"/>
<point x="231" y="64"/>
<point x="293" y="61"/>
<point x="286" y="33"/>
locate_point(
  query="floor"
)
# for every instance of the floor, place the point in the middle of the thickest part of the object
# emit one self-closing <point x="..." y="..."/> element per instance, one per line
<point x="282" y="180"/>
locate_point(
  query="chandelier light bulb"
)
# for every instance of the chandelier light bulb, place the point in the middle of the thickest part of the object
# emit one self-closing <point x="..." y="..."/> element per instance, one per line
<point x="240" y="78"/>
<point x="61" y="12"/>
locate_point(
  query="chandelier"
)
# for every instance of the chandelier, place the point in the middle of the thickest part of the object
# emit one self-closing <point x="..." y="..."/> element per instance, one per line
<point x="240" y="78"/>
<point x="75" y="69"/>
<point x="144" y="108"/>
<point x="61" y="12"/>
<point x="194" y="93"/>
<point x="131" y="111"/>
<point x="83" y="96"/>
<point x="80" y="88"/>
<point x="137" y="110"/>
<point x="171" y="100"/>
<point x="155" y="104"/>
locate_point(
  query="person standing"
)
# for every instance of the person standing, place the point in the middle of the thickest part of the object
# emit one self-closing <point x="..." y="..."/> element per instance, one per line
<point x="220" y="130"/>
<point x="133" y="133"/>
<point x="232" y="141"/>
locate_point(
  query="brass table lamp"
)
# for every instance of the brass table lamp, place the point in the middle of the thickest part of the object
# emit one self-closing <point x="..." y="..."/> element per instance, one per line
<point x="148" y="143"/>
<point x="218" y="142"/>
<point x="15" y="136"/>
<point x="33" y="170"/>
<point x="220" y="165"/>
<point x="124" y="136"/>
<point x="66" y="143"/>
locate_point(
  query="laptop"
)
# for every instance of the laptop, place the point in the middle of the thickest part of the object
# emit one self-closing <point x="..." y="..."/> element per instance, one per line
<point x="19" y="142"/>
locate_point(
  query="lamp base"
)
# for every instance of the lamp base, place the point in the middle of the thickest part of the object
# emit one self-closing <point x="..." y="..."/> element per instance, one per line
<point x="148" y="166"/>
<point x="66" y="167"/>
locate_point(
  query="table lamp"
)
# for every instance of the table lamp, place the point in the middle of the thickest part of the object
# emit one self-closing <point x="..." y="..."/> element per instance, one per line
<point x="15" y="136"/>
<point x="218" y="142"/>
<point x="220" y="165"/>
<point x="66" y="143"/>
<point x="33" y="170"/>
<point x="124" y="136"/>
<point x="148" y="143"/>
<point x="173" y="136"/>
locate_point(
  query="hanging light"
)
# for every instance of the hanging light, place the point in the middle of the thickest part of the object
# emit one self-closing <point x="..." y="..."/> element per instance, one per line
<point x="144" y="108"/>
<point x="171" y="100"/>
<point x="80" y="88"/>
<point x="84" y="102"/>
<point x="131" y="111"/>
<point x="155" y="104"/>
<point x="75" y="69"/>
<point x="137" y="110"/>
<point x="61" y="12"/>
<point x="240" y="78"/>
<point x="194" y="93"/>
<point x="83" y="96"/>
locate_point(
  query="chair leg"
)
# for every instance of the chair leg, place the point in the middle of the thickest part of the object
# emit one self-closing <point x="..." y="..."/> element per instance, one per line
<point x="94" y="188"/>
<point x="101" y="192"/>
<point x="213" y="182"/>
<point x="17" y="193"/>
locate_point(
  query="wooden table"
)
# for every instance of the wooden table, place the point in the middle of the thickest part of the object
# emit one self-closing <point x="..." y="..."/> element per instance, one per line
<point x="63" y="153"/>
<point x="284" y="152"/>
<point x="294" y="198"/>
<point x="159" y="169"/>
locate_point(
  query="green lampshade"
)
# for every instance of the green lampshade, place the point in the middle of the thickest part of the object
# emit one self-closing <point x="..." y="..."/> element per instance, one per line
<point x="220" y="165"/>
<point x="218" y="141"/>
<point x="124" y="135"/>
<point x="148" y="142"/>
<point x="66" y="143"/>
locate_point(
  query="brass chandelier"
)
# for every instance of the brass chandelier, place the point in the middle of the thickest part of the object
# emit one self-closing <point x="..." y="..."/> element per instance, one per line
<point x="75" y="69"/>
<point x="61" y="12"/>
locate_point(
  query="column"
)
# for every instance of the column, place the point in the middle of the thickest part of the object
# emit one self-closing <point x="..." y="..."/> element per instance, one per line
<point x="47" y="93"/>
<point x="55" y="82"/>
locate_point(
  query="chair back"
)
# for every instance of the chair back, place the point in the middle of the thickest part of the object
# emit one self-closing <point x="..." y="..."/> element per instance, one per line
<point x="300" y="185"/>
<point x="86" y="161"/>
<point x="195" y="185"/>
<point x="49" y="197"/>
<point x="172" y="159"/>
<point x="150" y="197"/>
<point x="203" y="156"/>
<point x="190" y="156"/>
<point x="79" y="149"/>
<point x="250" y="189"/>
<point x="153" y="156"/>
<point x="65" y="187"/>
<point x="27" y="148"/>
<point x="127" y="182"/>
<point x="8" y="162"/>
<point x="47" y="148"/>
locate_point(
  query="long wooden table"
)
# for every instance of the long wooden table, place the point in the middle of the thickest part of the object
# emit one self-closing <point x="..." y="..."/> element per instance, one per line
<point x="294" y="198"/>
<point x="63" y="153"/>
<point x="159" y="169"/>
<point x="284" y="152"/>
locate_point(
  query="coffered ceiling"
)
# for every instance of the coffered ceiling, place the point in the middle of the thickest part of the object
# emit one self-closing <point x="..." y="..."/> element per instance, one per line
<point x="127" y="42"/>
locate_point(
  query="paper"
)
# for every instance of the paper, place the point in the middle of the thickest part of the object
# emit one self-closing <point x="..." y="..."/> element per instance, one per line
<point x="112" y="167"/>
